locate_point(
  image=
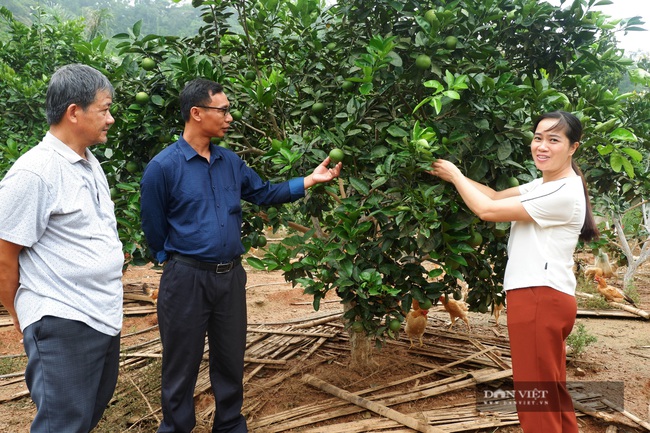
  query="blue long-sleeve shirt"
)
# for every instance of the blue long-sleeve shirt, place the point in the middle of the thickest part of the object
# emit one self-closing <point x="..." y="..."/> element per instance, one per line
<point x="192" y="207"/>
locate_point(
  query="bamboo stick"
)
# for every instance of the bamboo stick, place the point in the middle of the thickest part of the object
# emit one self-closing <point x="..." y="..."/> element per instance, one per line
<point x="371" y="405"/>
<point x="294" y="333"/>
<point x="629" y="415"/>
<point x="493" y="356"/>
<point x="630" y="309"/>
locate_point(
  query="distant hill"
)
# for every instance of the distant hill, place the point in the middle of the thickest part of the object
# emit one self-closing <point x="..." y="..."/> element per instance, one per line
<point x="162" y="17"/>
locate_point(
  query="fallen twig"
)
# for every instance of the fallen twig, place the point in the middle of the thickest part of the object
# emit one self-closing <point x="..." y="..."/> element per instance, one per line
<point x="371" y="405"/>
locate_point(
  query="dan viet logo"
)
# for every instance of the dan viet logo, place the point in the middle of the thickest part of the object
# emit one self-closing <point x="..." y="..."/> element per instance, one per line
<point x="522" y="397"/>
<point x="545" y="396"/>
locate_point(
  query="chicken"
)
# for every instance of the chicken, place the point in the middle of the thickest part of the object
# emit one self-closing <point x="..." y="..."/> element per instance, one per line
<point x="152" y="293"/>
<point x="611" y="293"/>
<point x="602" y="261"/>
<point x="592" y="271"/>
<point x="416" y="322"/>
<point x="496" y="311"/>
<point x="456" y="310"/>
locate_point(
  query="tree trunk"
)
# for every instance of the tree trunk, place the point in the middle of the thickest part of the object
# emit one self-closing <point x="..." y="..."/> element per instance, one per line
<point x="360" y="348"/>
<point x="633" y="263"/>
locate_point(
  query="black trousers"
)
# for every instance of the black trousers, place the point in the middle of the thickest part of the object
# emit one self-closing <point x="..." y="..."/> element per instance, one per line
<point x="192" y="302"/>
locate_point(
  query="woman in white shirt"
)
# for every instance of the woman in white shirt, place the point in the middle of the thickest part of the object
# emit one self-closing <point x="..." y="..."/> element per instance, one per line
<point x="549" y="216"/>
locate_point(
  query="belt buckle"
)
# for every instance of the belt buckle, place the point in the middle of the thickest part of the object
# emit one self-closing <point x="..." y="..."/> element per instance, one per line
<point x="223" y="268"/>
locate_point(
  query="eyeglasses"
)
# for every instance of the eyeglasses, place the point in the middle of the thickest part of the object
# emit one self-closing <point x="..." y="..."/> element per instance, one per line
<point x="224" y="110"/>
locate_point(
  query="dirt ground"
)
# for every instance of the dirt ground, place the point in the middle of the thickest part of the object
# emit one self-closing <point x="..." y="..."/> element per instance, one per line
<point x="620" y="354"/>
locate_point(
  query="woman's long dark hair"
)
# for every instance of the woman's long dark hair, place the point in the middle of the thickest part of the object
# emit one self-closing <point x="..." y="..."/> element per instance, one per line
<point x="572" y="128"/>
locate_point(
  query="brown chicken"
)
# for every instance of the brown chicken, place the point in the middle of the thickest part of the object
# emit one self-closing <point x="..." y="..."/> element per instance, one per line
<point x="416" y="322"/>
<point x="593" y="272"/>
<point x="153" y="293"/>
<point x="611" y="293"/>
<point x="496" y="311"/>
<point x="456" y="310"/>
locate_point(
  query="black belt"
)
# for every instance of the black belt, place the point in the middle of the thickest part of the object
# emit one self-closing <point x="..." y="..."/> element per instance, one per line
<point x="217" y="268"/>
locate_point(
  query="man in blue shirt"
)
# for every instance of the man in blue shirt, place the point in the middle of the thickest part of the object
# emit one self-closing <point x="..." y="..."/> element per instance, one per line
<point x="191" y="196"/>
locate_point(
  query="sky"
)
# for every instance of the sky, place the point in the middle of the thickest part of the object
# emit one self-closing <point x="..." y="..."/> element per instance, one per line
<point x="632" y="41"/>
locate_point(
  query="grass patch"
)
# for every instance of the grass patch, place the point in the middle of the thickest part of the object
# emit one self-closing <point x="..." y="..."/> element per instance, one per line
<point x="137" y="391"/>
<point x="579" y="339"/>
<point x="12" y="364"/>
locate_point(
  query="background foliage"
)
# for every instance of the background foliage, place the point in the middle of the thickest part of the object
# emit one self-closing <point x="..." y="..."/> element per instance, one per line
<point x="394" y="83"/>
<point x="109" y="17"/>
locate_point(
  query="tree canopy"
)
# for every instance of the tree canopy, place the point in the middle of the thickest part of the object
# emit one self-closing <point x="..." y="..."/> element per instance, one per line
<point x="394" y="84"/>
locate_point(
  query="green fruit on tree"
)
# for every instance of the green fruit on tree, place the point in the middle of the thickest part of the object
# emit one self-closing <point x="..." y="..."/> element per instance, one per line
<point x="261" y="241"/>
<point x="476" y="239"/>
<point x="426" y="304"/>
<point x="209" y="18"/>
<point x="142" y="98"/>
<point x="451" y="42"/>
<point x="250" y="75"/>
<point x="148" y="64"/>
<point x="236" y="115"/>
<point x="132" y="166"/>
<point x="357" y="327"/>
<point x="484" y="274"/>
<point x="197" y="3"/>
<point x="513" y="181"/>
<point x="318" y="108"/>
<point x="423" y="61"/>
<point x="331" y="46"/>
<point x="347" y="86"/>
<point x="431" y="17"/>
<point x="305" y="120"/>
<point x="458" y="295"/>
<point x="114" y="193"/>
<point x="394" y="325"/>
<point x="336" y="155"/>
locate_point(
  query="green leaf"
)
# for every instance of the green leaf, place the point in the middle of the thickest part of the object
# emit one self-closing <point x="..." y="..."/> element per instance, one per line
<point x="359" y="185"/>
<point x="157" y="100"/>
<point x="396" y="131"/>
<point x="437" y="104"/>
<point x="629" y="169"/>
<point x="125" y="187"/>
<point x="633" y="153"/>
<point x="622" y="134"/>
<point x="616" y="161"/>
<point x="137" y="28"/>
<point x="256" y="263"/>
<point x="82" y="49"/>
<point x="504" y="151"/>
<point x="452" y="94"/>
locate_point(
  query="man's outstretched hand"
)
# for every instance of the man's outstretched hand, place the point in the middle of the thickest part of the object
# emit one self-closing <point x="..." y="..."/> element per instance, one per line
<point x="323" y="173"/>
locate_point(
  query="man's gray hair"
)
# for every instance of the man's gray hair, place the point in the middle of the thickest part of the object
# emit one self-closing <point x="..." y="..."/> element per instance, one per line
<point x="73" y="84"/>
